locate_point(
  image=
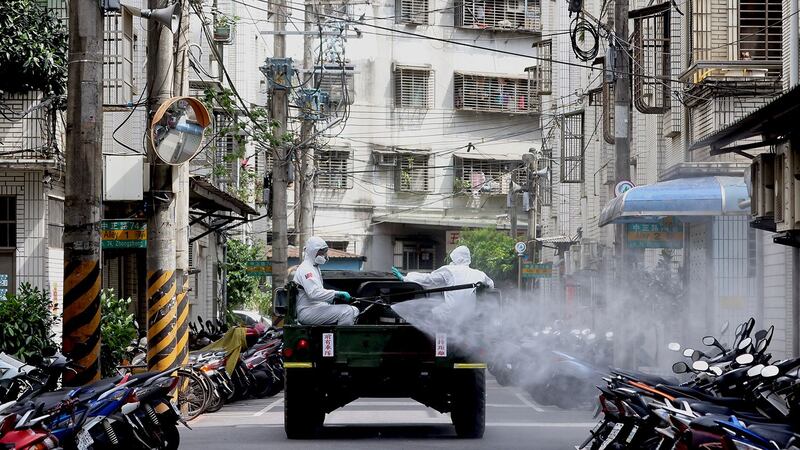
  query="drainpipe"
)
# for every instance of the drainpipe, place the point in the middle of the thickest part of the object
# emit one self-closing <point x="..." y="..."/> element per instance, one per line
<point x="794" y="70"/>
<point x="794" y="74"/>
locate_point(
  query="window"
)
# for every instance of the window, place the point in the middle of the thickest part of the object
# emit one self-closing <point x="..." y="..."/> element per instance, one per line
<point x="489" y="175"/>
<point x="118" y="59"/>
<point x="495" y="93"/>
<point x="651" y="56"/>
<point x="546" y="183"/>
<point x="8" y="222"/>
<point x="699" y="17"/>
<point x="333" y="169"/>
<point x="413" y="172"/>
<point x="337" y="82"/>
<point x="339" y="245"/>
<point x="500" y="15"/>
<point x="544" y="71"/>
<point x="760" y="30"/>
<point x="572" y="145"/>
<point x="414" y="255"/>
<point x="412" y="12"/>
<point x="754" y="31"/>
<point x="413" y="87"/>
<point x="55" y="226"/>
<point x="228" y="147"/>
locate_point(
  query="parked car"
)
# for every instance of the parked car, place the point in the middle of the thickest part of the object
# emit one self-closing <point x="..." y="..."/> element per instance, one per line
<point x="251" y="318"/>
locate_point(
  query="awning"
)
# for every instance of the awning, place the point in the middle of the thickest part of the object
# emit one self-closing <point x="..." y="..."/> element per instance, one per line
<point x="207" y="197"/>
<point x="451" y="222"/>
<point x="682" y="197"/>
<point x="489" y="156"/>
<point x="772" y="122"/>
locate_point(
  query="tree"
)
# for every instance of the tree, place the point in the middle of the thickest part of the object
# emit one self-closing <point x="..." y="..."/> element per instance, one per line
<point x="492" y="252"/>
<point x="244" y="291"/>
<point x="33" y="48"/>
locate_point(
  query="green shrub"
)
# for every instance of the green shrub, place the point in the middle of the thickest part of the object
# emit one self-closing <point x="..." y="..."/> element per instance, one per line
<point x="27" y="320"/>
<point x="117" y="328"/>
<point x="492" y="252"/>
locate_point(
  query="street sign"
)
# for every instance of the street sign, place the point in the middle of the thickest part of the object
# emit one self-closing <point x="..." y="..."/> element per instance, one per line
<point x="520" y="247"/>
<point x="259" y="268"/>
<point x="668" y="234"/>
<point x="623" y="187"/>
<point x="121" y="234"/>
<point x="531" y="270"/>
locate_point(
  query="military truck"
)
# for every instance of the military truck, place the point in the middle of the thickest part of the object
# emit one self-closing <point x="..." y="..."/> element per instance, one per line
<point x="329" y="366"/>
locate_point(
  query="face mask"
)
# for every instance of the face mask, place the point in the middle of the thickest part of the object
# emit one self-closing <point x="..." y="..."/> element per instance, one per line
<point x="320" y="260"/>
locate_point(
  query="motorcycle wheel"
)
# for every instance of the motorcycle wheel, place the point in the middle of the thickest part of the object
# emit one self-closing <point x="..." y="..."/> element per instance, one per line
<point x="171" y="437"/>
<point x="192" y="394"/>
<point x="263" y="384"/>
<point x="215" y="402"/>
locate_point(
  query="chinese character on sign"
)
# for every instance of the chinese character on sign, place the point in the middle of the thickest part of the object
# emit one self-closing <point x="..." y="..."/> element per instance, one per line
<point x="441" y="345"/>
<point x="327" y="344"/>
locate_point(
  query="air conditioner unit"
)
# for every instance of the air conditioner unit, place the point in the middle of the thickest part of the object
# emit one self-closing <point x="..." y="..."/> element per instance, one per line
<point x="385" y="159"/>
<point x="762" y="176"/>
<point x="787" y="189"/>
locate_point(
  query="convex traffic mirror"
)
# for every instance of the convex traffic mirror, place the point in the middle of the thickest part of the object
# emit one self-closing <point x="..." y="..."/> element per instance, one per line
<point x="177" y="129"/>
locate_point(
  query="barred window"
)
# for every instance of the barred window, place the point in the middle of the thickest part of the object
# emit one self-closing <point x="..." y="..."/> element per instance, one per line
<point x="8" y="221"/>
<point x="544" y="71"/>
<point x="118" y="85"/>
<point x="511" y="94"/>
<point x="572" y="144"/>
<point x="413" y="172"/>
<point x="760" y="30"/>
<point x="412" y="12"/>
<point x="500" y="15"/>
<point x="333" y="167"/>
<point x="489" y="175"/>
<point x="55" y="224"/>
<point x="337" y="82"/>
<point x="413" y="87"/>
<point x="546" y="183"/>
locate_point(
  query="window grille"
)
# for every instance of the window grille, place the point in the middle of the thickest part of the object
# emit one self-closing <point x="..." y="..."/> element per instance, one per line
<point x="333" y="169"/>
<point x="500" y="15"/>
<point x="544" y="73"/>
<point x="414" y="255"/>
<point x="608" y="112"/>
<point x="55" y="224"/>
<point x="413" y="172"/>
<point x="8" y="222"/>
<point x="337" y="82"/>
<point x="226" y="149"/>
<point x="651" y="58"/>
<point x="546" y="183"/>
<point x="118" y="85"/>
<point x="489" y="175"/>
<point x="699" y="18"/>
<point x="412" y="12"/>
<point x="494" y="93"/>
<point x="413" y="87"/>
<point x="759" y="32"/>
<point x="572" y="161"/>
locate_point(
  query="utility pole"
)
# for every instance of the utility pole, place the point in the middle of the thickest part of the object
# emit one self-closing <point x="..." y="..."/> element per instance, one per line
<point x="161" y="282"/>
<point x="305" y="179"/>
<point x="622" y="111"/>
<point x="180" y="174"/>
<point x="531" y="161"/>
<point x="279" y="109"/>
<point x="83" y="203"/>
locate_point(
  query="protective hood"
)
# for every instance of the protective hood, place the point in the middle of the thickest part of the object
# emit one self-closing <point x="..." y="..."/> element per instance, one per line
<point x="313" y="245"/>
<point x="460" y="256"/>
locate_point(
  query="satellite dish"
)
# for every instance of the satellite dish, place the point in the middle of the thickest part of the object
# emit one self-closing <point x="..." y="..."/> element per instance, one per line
<point x="177" y="128"/>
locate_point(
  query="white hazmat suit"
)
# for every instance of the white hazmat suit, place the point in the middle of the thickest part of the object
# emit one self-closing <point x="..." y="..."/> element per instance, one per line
<point x="313" y="300"/>
<point x="458" y="305"/>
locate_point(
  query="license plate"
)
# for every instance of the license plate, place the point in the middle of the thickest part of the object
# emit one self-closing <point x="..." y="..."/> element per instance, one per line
<point x="85" y="440"/>
<point x="611" y="436"/>
<point x="633" y="433"/>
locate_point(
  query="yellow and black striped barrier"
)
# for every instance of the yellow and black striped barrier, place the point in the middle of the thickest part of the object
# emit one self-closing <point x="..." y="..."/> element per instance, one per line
<point x="82" y="321"/>
<point x="182" y="323"/>
<point x="161" y="313"/>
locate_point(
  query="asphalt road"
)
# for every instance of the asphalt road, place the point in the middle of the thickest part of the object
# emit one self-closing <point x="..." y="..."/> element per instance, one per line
<point x="513" y="421"/>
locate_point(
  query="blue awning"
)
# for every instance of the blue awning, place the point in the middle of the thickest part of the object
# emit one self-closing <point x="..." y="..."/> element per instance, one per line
<point x="683" y="197"/>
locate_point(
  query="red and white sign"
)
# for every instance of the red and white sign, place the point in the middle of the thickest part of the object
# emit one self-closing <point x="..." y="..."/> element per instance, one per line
<point x="327" y="344"/>
<point x="441" y="345"/>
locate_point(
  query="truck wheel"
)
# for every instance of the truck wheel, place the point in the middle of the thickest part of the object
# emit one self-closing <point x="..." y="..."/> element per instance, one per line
<point x="469" y="403"/>
<point x="302" y="412"/>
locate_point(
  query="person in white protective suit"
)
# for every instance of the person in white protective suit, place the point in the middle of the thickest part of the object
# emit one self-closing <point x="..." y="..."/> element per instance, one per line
<point x="457" y="305"/>
<point x="313" y="300"/>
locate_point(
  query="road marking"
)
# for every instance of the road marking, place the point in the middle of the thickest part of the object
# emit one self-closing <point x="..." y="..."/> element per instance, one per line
<point x="588" y="425"/>
<point x="498" y="405"/>
<point x="528" y="403"/>
<point x="269" y="407"/>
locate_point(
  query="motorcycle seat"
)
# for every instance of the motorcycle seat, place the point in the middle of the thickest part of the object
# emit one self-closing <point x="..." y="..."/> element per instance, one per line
<point x="647" y="378"/>
<point x="779" y="433"/>
<point x="712" y="409"/>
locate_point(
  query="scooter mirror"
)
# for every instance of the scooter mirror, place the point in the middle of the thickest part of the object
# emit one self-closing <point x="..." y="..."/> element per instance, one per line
<point x="744" y="359"/>
<point x="609" y="335"/>
<point x="755" y="370"/>
<point x="674" y="347"/>
<point x="739" y="329"/>
<point x="770" y="372"/>
<point x="143" y="342"/>
<point x="709" y="340"/>
<point x="696" y="355"/>
<point x="680" y="367"/>
<point x="586" y="331"/>
<point x="725" y="327"/>
<point x="688" y="352"/>
<point x="716" y="370"/>
<point x="700" y="366"/>
<point x="762" y="345"/>
<point x="745" y="343"/>
<point x="761" y="334"/>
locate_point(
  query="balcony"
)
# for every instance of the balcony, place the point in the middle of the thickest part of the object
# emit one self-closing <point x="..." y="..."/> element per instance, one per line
<point x="495" y="93"/>
<point x="523" y="16"/>
<point x="28" y="134"/>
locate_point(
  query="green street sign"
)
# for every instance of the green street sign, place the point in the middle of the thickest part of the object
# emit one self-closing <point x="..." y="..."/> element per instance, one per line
<point x="531" y="270"/>
<point x="259" y="268"/>
<point x="121" y="234"/>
